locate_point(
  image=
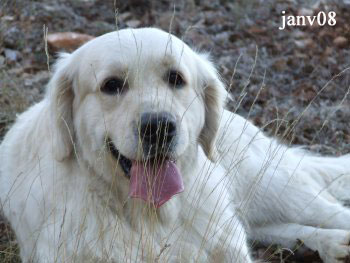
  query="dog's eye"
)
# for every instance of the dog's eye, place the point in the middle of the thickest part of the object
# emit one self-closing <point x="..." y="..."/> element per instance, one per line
<point x="113" y="86"/>
<point x="175" y="79"/>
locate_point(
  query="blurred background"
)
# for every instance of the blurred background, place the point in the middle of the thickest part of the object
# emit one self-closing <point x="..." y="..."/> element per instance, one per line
<point x="293" y="83"/>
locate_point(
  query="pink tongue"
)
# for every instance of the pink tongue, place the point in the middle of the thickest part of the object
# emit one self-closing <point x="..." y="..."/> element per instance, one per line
<point x="155" y="183"/>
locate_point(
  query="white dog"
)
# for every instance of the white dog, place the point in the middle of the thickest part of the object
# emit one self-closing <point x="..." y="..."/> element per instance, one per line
<point x="132" y="157"/>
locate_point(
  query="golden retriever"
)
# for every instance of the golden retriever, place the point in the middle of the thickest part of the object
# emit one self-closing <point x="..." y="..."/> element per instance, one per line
<point x="131" y="157"/>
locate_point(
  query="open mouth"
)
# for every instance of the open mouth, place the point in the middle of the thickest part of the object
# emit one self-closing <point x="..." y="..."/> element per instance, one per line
<point x="124" y="162"/>
<point x="154" y="180"/>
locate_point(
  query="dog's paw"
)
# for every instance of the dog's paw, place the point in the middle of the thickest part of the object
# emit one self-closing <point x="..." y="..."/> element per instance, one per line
<point x="334" y="246"/>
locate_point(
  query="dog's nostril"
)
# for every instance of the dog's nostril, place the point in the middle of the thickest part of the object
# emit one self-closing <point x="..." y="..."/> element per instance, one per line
<point x="157" y="128"/>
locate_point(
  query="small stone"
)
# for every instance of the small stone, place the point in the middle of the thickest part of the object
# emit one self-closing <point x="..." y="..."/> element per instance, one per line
<point x="2" y="61"/>
<point x="340" y="42"/>
<point x="16" y="71"/>
<point x="298" y="34"/>
<point x="124" y="16"/>
<point x="12" y="37"/>
<point x="133" y="23"/>
<point x="304" y="43"/>
<point x="305" y="12"/>
<point x="8" y="18"/>
<point x="222" y="37"/>
<point x="11" y="55"/>
<point x="28" y="82"/>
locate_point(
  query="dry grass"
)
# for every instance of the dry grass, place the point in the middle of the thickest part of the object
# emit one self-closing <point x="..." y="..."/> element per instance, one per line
<point x="13" y="100"/>
<point x="9" y="250"/>
<point x="251" y="92"/>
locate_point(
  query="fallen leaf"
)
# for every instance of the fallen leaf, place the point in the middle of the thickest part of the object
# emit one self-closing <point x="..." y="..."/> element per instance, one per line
<point x="305" y="92"/>
<point x="256" y="30"/>
<point x="67" y="40"/>
<point x="328" y="52"/>
<point x="280" y="64"/>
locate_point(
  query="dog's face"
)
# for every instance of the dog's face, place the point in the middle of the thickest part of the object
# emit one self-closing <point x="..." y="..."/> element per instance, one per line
<point x="135" y="101"/>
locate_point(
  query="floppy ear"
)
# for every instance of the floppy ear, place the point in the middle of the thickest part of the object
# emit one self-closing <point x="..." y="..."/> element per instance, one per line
<point x="214" y="97"/>
<point x="60" y="96"/>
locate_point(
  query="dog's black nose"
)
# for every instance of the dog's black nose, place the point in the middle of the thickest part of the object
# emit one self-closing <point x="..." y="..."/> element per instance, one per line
<point x="157" y="128"/>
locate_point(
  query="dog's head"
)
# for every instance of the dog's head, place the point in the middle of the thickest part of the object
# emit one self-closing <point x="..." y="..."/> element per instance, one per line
<point x="136" y="103"/>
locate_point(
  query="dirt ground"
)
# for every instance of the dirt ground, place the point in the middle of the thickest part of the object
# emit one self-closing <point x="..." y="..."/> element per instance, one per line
<point x="293" y="83"/>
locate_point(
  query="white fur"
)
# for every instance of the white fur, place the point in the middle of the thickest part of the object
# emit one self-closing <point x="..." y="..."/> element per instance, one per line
<point x="67" y="198"/>
<point x="287" y="194"/>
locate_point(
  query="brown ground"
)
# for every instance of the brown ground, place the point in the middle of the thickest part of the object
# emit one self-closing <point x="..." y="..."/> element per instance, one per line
<point x="279" y="75"/>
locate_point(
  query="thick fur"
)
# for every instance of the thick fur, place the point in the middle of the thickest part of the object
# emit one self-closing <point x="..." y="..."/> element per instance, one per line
<point x="67" y="198"/>
<point x="287" y="196"/>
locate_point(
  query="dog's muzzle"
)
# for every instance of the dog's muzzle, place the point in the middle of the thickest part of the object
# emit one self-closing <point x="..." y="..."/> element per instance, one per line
<point x="157" y="133"/>
<point x="155" y="178"/>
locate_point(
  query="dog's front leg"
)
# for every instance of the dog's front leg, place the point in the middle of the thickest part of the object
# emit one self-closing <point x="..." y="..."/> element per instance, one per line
<point x="232" y="246"/>
<point x="332" y="244"/>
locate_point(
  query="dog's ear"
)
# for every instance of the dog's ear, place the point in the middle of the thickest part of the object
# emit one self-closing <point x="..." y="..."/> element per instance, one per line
<point x="214" y="96"/>
<point x="60" y="96"/>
